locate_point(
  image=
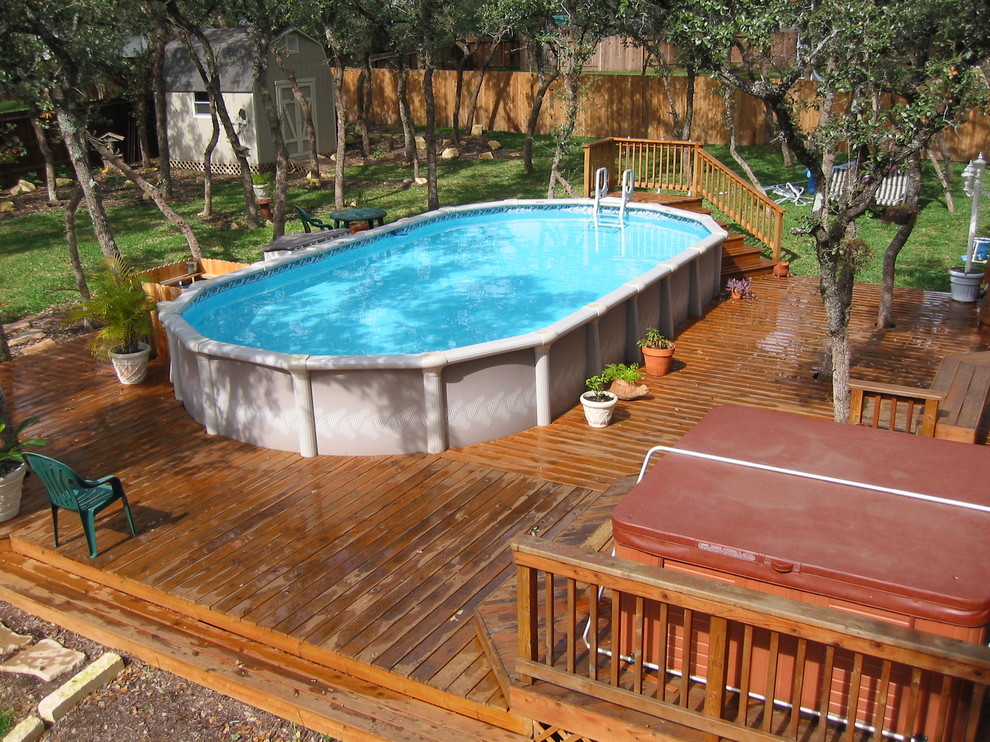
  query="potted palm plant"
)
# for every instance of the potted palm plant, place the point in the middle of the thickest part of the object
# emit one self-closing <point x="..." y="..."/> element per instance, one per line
<point x="12" y="466"/>
<point x="123" y="310"/>
<point x="598" y="403"/>
<point x="658" y="352"/>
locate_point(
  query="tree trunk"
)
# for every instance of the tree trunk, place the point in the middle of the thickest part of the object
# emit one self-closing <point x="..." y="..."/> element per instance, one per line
<point x="885" y="313"/>
<point x="73" y="245"/>
<point x="364" y="104"/>
<point x="208" y="163"/>
<point x="307" y="112"/>
<point x="157" y="53"/>
<point x="153" y="192"/>
<point x="544" y="82"/>
<point x="476" y="91"/>
<point x="572" y="87"/>
<point x="836" y="281"/>
<point x="405" y="117"/>
<point x="433" y="195"/>
<point x="730" y="118"/>
<point x="275" y="127"/>
<point x="210" y="75"/>
<point x="692" y="79"/>
<point x="75" y="142"/>
<point x="337" y="74"/>
<point x="459" y="91"/>
<point x="46" y="152"/>
<point x="141" y="113"/>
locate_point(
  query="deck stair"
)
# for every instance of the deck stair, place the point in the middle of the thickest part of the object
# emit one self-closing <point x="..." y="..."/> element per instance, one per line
<point x="305" y="692"/>
<point x="740" y="259"/>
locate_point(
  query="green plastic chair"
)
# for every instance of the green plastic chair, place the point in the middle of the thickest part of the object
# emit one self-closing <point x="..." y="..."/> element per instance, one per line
<point x="308" y="221"/>
<point x="68" y="491"/>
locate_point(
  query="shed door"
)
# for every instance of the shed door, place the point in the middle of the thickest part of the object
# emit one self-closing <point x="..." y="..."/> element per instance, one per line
<point x="293" y="122"/>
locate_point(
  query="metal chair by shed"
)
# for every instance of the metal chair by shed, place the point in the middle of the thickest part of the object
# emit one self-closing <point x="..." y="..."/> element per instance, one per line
<point x="69" y="491"/>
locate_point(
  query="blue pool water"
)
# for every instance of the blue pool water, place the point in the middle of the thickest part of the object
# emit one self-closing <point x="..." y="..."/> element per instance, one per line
<point x="457" y="280"/>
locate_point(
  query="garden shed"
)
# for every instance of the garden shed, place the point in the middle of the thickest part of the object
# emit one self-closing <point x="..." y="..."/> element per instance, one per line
<point x="188" y="106"/>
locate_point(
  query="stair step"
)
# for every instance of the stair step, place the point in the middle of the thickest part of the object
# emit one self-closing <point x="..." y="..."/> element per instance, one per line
<point x="322" y="699"/>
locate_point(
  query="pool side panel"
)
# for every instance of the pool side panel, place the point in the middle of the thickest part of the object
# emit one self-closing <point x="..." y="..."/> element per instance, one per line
<point x="490" y="397"/>
<point x="365" y="412"/>
<point x="254" y="404"/>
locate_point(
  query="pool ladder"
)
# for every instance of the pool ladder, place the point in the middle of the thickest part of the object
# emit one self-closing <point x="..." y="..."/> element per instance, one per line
<point x="602" y="197"/>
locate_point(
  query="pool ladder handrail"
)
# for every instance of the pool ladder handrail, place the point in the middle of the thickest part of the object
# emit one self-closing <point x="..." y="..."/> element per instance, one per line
<point x="601" y="192"/>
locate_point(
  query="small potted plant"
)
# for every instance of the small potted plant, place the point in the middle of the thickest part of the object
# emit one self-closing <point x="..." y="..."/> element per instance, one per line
<point x="658" y="352"/>
<point x="261" y="182"/>
<point x="624" y="380"/>
<point x="13" y="468"/>
<point x="598" y="403"/>
<point x="123" y="310"/>
<point x="739" y="288"/>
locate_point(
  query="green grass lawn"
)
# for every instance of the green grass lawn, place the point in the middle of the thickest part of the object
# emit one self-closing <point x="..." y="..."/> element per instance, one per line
<point x="35" y="273"/>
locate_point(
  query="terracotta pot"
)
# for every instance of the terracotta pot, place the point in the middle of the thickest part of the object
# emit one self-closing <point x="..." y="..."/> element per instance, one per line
<point x="782" y="270"/>
<point x="737" y="295"/>
<point x="658" y="360"/>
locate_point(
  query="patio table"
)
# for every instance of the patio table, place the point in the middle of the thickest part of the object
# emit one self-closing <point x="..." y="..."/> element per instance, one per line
<point x="349" y="216"/>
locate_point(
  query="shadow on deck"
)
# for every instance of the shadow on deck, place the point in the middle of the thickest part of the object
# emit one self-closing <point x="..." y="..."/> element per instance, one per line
<point x="344" y="592"/>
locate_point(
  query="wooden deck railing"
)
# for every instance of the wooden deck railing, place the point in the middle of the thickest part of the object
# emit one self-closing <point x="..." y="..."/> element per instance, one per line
<point x="722" y="647"/>
<point x="686" y="166"/>
<point x="161" y="283"/>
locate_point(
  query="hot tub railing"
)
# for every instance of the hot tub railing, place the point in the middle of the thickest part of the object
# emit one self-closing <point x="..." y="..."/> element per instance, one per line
<point x="722" y="646"/>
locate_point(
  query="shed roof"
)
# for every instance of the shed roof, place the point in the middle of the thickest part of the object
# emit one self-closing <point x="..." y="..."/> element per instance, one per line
<point x="235" y="58"/>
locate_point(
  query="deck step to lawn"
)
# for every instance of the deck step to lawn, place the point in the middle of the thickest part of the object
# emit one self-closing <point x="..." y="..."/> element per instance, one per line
<point x="321" y="699"/>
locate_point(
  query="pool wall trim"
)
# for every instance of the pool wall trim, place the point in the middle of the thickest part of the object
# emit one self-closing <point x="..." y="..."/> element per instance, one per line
<point x="286" y="401"/>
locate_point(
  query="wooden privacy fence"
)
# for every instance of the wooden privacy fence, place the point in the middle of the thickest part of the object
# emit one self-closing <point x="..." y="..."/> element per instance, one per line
<point x="686" y="166"/>
<point x="734" y="663"/>
<point x="165" y="283"/>
<point x="613" y="105"/>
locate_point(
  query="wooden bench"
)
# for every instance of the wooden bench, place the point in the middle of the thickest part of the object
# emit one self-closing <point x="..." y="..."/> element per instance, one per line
<point x="956" y="401"/>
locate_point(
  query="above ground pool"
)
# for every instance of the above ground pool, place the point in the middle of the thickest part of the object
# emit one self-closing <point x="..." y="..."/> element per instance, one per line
<point x="445" y="329"/>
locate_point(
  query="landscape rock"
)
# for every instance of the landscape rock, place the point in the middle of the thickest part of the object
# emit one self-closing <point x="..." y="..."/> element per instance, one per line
<point x="46" y="660"/>
<point x="420" y="142"/>
<point x="486" y="156"/>
<point x="627" y="390"/>
<point x="27" y="186"/>
<point x="11" y="640"/>
<point x="420" y="181"/>
<point x="494" y="144"/>
<point x="477" y="130"/>
<point x="63" y="182"/>
<point x="450" y="153"/>
<point x="16" y="190"/>
<point x="56" y="705"/>
<point x="6" y="206"/>
<point x="28" y="730"/>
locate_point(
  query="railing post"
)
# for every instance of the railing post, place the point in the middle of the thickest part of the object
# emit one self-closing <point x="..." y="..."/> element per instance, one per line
<point x="718" y="649"/>
<point x="696" y="170"/>
<point x="526" y="615"/>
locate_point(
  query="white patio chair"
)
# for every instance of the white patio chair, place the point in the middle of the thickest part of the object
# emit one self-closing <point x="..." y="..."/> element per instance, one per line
<point x="787" y="193"/>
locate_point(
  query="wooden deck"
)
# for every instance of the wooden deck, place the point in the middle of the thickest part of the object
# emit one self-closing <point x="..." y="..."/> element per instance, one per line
<point x="375" y="567"/>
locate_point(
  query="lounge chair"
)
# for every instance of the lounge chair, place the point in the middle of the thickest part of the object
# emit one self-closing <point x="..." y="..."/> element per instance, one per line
<point x="309" y="221"/>
<point x="787" y="193"/>
<point x="892" y="190"/>
<point x="69" y="491"/>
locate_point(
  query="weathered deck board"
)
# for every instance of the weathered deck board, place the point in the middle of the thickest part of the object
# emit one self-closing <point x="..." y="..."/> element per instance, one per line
<point x="381" y="561"/>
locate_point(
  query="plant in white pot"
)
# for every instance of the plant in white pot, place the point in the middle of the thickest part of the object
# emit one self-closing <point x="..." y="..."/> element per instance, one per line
<point x="12" y="466"/>
<point x="598" y="403"/>
<point x="123" y="310"/>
